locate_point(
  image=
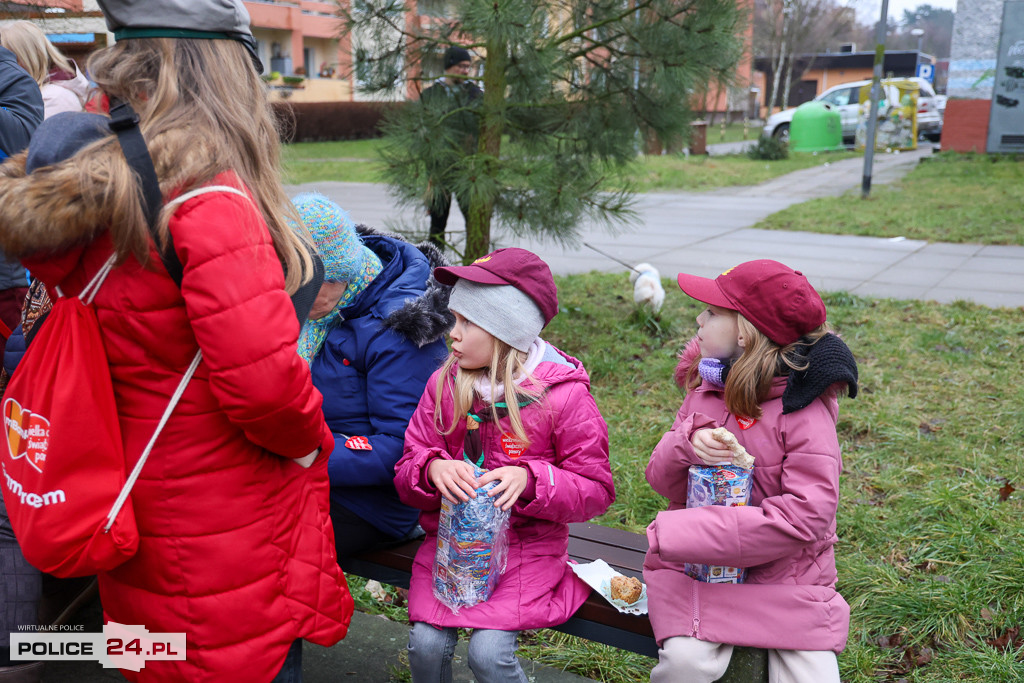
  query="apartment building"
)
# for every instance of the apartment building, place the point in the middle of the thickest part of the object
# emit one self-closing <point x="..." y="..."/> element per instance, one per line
<point x="297" y="38"/>
<point x="303" y="44"/>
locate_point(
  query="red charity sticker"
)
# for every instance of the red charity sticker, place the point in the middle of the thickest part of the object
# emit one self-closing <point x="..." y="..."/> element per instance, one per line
<point x="512" y="446"/>
<point x="746" y="422"/>
<point x="359" y="443"/>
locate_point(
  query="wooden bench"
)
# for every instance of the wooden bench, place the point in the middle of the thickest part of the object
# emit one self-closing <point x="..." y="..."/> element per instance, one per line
<point x="596" y="619"/>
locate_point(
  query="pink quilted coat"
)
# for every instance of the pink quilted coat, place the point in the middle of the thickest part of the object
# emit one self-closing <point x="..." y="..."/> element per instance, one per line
<point x="569" y="481"/>
<point x="785" y="536"/>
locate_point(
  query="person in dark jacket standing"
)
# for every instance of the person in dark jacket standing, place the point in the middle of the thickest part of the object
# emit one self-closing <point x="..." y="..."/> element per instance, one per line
<point x="375" y="334"/>
<point x="457" y="96"/>
<point x="21" y="105"/>
<point x="21" y="110"/>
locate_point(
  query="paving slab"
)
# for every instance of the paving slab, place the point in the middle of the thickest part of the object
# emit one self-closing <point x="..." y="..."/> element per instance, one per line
<point x="372" y="652"/>
<point x="705" y="233"/>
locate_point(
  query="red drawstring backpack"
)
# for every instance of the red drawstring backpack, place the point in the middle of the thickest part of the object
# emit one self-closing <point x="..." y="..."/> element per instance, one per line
<point x="64" y="467"/>
<point x="64" y="482"/>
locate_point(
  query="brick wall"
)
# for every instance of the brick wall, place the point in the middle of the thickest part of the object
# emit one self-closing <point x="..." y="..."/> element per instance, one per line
<point x="965" y="127"/>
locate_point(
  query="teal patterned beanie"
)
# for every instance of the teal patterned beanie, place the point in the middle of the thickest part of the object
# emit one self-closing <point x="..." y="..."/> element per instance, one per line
<point x="342" y="251"/>
<point x="346" y="259"/>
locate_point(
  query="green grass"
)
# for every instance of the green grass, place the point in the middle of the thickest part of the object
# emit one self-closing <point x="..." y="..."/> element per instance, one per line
<point x="353" y="161"/>
<point x="356" y="161"/>
<point x="963" y="198"/>
<point x="929" y="556"/>
<point x="338" y="149"/>
<point x="698" y="173"/>
<point x="733" y="132"/>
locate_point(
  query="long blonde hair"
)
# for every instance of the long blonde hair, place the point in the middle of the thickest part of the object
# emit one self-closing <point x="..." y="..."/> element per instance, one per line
<point x="750" y="378"/>
<point x="203" y="110"/>
<point x="36" y="54"/>
<point x="507" y="364"/>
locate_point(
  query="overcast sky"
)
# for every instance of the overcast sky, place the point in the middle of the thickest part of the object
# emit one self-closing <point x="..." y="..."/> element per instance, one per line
<point x="869" y="11"/>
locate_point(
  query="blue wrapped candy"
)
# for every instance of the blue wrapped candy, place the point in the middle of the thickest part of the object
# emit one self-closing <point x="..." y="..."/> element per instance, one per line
<point x="472" y="545"/>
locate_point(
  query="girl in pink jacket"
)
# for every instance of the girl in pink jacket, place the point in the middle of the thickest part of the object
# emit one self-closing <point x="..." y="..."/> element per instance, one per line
<point x="506" y="401"/>
<point x="764" y="366"/>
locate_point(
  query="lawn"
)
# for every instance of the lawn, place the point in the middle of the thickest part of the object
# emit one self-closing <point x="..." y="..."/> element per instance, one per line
<point x="353" y="161"/>
<point x="732" y="132"/>
<point x="699" y="173"/>
<point x="964" y="198"/>
<point x="357" y="161"/>
<point x="931" y="545"/>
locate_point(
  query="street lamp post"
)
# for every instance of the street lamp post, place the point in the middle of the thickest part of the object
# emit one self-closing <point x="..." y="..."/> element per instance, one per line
<point x="919" y="32"/>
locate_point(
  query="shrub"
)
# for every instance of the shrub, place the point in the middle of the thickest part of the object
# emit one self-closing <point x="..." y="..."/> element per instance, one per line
<point x="321" y="121"/>
<point x="768" y="149"/>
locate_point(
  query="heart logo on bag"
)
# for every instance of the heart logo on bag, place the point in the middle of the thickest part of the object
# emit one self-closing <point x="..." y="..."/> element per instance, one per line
<point x="28" y="434"/>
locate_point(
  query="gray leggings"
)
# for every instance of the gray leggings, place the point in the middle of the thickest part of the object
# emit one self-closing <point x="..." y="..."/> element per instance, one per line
<point x="20" y="585"/>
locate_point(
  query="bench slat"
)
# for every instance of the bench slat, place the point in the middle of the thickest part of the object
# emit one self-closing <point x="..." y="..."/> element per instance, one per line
<point x="596" y="619"/>
<point x="608" y="536"/>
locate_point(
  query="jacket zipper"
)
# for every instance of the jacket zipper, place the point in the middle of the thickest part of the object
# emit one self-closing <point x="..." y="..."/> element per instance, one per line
<point x="696" y="609"/>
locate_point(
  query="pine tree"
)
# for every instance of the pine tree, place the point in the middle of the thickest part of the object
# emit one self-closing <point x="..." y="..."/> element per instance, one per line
<point x="571" y="90"/>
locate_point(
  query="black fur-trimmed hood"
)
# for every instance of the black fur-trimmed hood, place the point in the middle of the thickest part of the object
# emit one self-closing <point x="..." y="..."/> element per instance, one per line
<point x="424" y="319"/>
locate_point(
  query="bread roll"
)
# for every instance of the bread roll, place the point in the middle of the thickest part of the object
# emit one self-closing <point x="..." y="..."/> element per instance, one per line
<point x="740" y="456"/>
<point x="626" y="588"/>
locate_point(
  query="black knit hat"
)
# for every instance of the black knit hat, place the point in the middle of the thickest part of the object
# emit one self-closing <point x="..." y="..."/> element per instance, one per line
<point x="456" y="55"/>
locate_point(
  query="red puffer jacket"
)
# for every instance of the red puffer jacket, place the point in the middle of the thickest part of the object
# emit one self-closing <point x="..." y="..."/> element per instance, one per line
<point x="237" y="549"/>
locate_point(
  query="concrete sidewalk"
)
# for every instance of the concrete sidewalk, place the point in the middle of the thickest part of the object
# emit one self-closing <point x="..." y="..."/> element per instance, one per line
<point x="371" y="653"/>
<point x="705" y="233"/>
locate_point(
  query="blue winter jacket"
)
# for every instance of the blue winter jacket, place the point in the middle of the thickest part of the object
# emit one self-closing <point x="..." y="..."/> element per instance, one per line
<point x="21" y="110"/>
<point x="372" y="377"/>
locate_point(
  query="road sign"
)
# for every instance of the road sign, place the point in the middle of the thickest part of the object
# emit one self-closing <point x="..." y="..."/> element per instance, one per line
<point x="927" y="72"/>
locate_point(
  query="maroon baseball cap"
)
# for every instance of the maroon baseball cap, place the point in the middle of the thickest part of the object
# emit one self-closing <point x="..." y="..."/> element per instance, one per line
<point x="510" y="266"/>
<point x="776" y="299"/>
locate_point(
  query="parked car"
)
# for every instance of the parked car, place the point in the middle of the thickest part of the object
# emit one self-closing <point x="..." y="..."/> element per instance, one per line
<point x="846" y="99"/>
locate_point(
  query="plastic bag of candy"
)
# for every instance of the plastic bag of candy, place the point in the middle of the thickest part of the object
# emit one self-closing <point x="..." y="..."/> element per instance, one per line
<point x="472" y="545"/>
<point x="717" y="485"/>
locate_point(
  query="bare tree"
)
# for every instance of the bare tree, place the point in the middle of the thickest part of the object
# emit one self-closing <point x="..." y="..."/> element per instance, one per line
<point x="784" y="29"/>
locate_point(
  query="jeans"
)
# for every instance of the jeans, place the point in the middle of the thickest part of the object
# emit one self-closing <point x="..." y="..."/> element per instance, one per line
<point x="291" y="670"/>
<point x="492" y="655"/>
<point x="21" y="585"/>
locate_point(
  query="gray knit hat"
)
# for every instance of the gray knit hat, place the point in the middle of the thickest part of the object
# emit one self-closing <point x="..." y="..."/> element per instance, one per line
<point x="502" y="310"/>
<point x="210" y="19"/>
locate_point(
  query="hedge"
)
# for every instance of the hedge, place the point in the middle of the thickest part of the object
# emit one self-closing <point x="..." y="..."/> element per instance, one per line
<point x="319" y="121"/>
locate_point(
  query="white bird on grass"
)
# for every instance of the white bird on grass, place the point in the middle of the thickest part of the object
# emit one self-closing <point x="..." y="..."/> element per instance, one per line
<point x="647" y="290"/>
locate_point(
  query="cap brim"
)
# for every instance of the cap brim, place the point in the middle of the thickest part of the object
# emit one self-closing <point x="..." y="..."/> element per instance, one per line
<point x="704" y="289"/>
<point x="447" y="275"/>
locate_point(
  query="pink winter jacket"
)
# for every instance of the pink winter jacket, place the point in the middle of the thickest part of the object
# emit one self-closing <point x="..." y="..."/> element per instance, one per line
<point x="785" y="536"/>
<point x="570" y="480"/>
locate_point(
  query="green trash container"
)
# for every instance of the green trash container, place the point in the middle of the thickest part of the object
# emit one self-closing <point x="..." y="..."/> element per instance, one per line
<point x="815" y="127"/>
